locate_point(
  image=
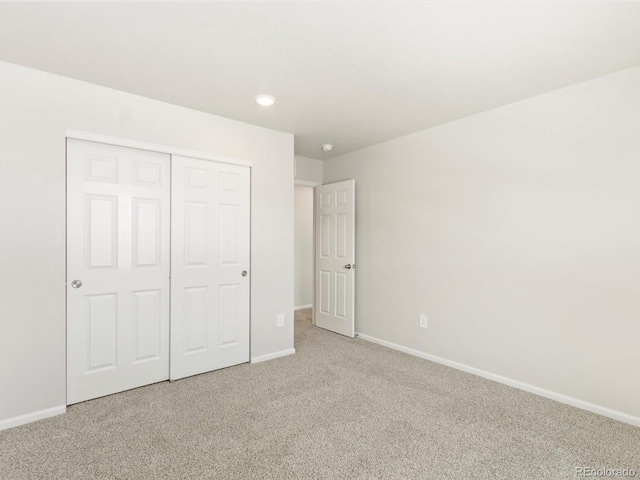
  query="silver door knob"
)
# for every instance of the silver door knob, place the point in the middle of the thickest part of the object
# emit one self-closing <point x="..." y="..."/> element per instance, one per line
<point x="244" y="273"/>
<point x="348" y="266"/>
<point x="76" y="284"/>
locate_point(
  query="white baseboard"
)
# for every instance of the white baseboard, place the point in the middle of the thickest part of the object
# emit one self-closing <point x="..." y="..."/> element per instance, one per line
<point x="32" y="417"/>
<point x="302" y="307"/>
<point x="558" y="397"/>
<point x="271" y="356"/>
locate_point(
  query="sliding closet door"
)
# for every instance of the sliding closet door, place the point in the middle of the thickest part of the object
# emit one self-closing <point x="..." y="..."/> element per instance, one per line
<point x="209" y="266"/>
<point x="117" y="269"/>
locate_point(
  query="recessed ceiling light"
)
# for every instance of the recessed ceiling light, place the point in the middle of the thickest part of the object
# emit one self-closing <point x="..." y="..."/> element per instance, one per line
<point x="327" y="147"/>
<point x="265" y="100"/>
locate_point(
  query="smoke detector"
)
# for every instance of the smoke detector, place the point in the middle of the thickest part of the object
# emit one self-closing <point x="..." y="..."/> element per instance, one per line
<point x="327" y="147"/>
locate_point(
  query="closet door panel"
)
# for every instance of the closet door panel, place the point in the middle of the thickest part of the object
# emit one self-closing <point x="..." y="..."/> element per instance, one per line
<point x="210" y="266"/>
<point x="118" y="261"/>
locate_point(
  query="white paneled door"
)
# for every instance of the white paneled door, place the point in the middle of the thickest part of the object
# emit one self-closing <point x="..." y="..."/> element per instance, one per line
<point x="118" y="218"/>
<point x="210" y="266"/>
<point x="335" y="257"/>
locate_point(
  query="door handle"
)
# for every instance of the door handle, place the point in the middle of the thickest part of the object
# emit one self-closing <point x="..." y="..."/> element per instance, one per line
<point x="76" y="284"/>
<point x="244" y="273"/>
<point x="349" y="266"/>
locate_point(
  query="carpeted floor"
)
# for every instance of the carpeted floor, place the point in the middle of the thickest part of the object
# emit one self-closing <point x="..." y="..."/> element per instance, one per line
<point x="338" y="409"/>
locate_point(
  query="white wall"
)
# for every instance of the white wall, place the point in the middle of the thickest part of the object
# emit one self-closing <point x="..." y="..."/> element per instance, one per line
<point x="517" y="232"/>
<point x="303" y="246"/>
<point x="36" y="109"/>
<point x="308" y="171"/>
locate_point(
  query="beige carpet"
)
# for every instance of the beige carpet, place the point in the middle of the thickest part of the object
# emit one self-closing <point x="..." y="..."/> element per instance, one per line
<point x="339" y="408"/>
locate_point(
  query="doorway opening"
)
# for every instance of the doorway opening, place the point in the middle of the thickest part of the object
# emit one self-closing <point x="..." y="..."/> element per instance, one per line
<point x="303" y="292"/>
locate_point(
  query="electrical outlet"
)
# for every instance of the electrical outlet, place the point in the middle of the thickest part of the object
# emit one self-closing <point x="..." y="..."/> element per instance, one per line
<point x="423" y="321"/>
<point x="280" y="321"/>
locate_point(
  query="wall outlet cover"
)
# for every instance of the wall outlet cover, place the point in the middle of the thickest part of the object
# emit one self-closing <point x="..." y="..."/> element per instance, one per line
<point x="423" y="321"/>
<point x="280" y="321"/>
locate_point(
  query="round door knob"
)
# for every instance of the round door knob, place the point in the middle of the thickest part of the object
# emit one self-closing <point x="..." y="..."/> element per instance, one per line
<point x="348" y="266"/>
<point x="244" y="273"/>
<point x="76" y="284"/>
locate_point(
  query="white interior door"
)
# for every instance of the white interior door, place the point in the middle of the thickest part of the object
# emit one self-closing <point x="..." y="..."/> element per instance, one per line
<point x="210" y="266"/>
<point x="117" y="269"/>
<point x="335" y="257"/>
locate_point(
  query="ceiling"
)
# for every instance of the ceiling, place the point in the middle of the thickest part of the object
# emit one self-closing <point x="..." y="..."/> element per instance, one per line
<point x="352" y="74"/>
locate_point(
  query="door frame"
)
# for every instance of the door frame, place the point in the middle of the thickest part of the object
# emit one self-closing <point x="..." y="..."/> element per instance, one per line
<point x="124" y="142"/>
<point x="128" y="143"/>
